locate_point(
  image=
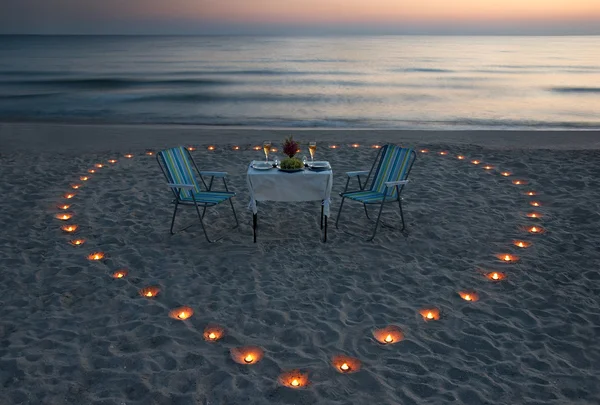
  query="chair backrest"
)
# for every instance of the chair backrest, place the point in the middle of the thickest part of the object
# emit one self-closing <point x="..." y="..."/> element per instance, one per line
<point x="394" y="165"/>
<point x="179" y="169"/>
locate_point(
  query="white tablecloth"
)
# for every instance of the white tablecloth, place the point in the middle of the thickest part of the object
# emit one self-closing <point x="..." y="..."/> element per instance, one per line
<point x="275" y="185"/>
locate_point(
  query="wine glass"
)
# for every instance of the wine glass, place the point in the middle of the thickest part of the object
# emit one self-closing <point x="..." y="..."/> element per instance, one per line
<point x="312" y="147"/>
<point x="267" y="149"/>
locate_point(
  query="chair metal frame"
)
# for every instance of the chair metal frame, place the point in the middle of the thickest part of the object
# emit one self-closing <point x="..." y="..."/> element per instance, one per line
<point x="178" y="188"/>
<point x="399" y="185"/>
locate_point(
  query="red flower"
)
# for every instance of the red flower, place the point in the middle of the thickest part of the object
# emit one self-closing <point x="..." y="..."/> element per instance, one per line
<point x="290" y="147"/>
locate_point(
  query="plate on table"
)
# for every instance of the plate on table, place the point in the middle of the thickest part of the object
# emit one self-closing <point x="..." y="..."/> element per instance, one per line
<point x="262" y="166"/>
<point x="319" y="166"/>
<point x="291" y="170"/>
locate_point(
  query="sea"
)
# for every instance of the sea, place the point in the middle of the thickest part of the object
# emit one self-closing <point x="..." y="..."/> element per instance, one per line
<point x="395" y="82"/>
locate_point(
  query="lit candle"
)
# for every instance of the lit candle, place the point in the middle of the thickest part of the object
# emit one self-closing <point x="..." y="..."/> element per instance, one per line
<point x="507" y="258"/>
<point x="119" y="273"/>
<point x="344" y="367"/>
<point x="96" y="256"/>
<point x="69" y="228"/>
<point x="112" y="161"/>
<point x="460" y="157"/>
<point x="333" y="146"/>
<point x="521" y="243"/>
<point x="505" y="174"/>
<point x="531" y="193"/>
<point x="355" y="145"/>
<point x="99" y="165"/>
<point x="257" y="148"/>
<point x="391" y="334"/>
<point x="249" y="358"/>
<point x="92" y="171"/>
<point x="150" y="292"/>
<point x="64" y="217"/>
<point x="495" y="275"/>
<point x="211" y="147"/>
<point x="295" y="378"/>
<point x="213" y="333"/>
<point x="128" y="156"/>
<point x="75" y="186"/>
<point x="84" y="178"/>
<point x="236" y="148"/>
<point x="389" y="339"/>
<point x="469" y="296"/>
<point x="181" y="313"/>
<point x="488" y="167"/>
<point x="536" y="229"/>
<point x="519" y="182"/>
<point x="475" y="162"/>
<point x="191" y="148"/>
<point x="77" y="242"/>
<point x="535" y="203"/>
<point x="68" y="196"/>
<point x="295" y="382"/>
<point x="64" y="206"/>
<point x="534" y="215"/>
<point x="443" y="153"/>
<point x="274" y="150"/>
<point x="431" y="314"/>
<point x="149" y="153"/>
<point x="424" y="150"/>
<point x="376" y="146"/>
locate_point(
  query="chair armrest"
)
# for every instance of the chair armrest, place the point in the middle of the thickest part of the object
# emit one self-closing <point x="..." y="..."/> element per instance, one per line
<point x="395" y="183"/>
<point x="353" y="174"/>
<point x="214" y="174"/>
<point x="183" y="186"/>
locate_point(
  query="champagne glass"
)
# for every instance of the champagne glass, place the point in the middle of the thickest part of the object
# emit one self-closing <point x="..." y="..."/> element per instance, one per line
<point x="267" y="149"/>
<point x="312" y="147"/>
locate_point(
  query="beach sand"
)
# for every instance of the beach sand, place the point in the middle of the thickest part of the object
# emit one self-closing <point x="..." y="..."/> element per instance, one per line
<point x="72" y="334"/>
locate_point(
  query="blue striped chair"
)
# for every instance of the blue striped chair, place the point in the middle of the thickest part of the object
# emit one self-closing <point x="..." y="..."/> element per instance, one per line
<point x="178" y="167"/>
<point x="384" y="182"/>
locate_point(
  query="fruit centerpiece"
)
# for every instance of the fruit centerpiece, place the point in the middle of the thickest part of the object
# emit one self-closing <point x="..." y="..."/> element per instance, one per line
<point x="290" y="148"/>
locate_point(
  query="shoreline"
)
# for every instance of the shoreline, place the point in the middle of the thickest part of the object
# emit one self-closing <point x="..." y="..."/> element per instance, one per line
<point x="54" y="137"/>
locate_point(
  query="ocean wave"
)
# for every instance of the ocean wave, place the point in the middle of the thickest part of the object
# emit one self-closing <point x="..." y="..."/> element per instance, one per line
<point x="108" y="83"/>
<point x="583" y="90"/>
<point x="422" y="70"/>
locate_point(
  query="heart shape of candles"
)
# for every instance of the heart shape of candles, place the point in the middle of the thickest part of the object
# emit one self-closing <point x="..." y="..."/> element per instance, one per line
<point x="389" y="335"/>
<point x="496" y="275"/>
<point x="507" y="257"/>
<point x="469" y="296"/>
<point x="150" y="292"/>
<point x="212" y="333"/>
<point x="95" y="256"/>
<point x="345" y="364"/>
<point x="294" y="379"/>
<point x="120" y="273"/>
<point x="77" y="242"/>
<point x="430" y="314"/>
<point x="181" y="313"/>
<point x="247" y="355"/>
<point x="69" y="228"/>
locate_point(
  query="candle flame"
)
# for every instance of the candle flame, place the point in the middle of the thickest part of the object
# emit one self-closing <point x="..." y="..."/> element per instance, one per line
<point x="96" y="256"/>
<point x="191" y="148"/>
<point x="460" y="157"/>
<point x="128" y="156"/>
<point x="333" y="146"/>
<point x="429" y="315"/>
<point x="495" y="276"/>
<point x="344" y="367"/>
<point x="69" y="228"/>
<point x="443" y="153"/>
<point x="475" y="162"/>
<point x="149" y="153"/>
<point x="149" y="294"/>
<point x="75" y="186"/>
<point x="64" y="206"/>
<point x="535" y="203"/>
<point x="181" y="313"/>
<point x="424" y="151"/>
<point x="531" y="193"/>
<point x="84" y="178"/>
<point x="68" y="196"/>
<point x="236" y="148"/>
<point x="295" y="382"/>
<point x="92" y="171"/>
<point x="211" y="147"/>
<point x="355" y="145"/>
<point x="99" y="165"/>
<point x="113" y="161"/>
<point x="64" y="217"/>
<point x="468" y="296"/>
<point x="389" y="339"/>
<point x="505" y="174"/>
<point x="488" y="167"/>
<point x="376" y="146"/>
<point x="257" y="148"/>
<point x="212" y="335"/>
<point x="77" y="242"/>
<point x="534" y="229"/>
<point x="119" y="273"/>
<point x="249" y="358"/>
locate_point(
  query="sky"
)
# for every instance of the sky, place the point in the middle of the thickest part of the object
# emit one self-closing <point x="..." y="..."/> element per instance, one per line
<point x="239" y="17"/>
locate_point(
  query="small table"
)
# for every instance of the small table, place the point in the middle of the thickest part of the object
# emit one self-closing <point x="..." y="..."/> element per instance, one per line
<point x="276" y="185"/>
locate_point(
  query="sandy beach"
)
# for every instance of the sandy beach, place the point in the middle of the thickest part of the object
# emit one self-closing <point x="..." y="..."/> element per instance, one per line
<point x="70" y="333"/>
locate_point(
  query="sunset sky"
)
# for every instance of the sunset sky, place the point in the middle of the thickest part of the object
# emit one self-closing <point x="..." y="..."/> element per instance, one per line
<point x="299" y="16"/>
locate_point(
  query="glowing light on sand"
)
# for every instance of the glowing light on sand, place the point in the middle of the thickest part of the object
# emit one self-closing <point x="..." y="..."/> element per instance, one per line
<point x="507" y="258"/>
<point x="443" y="153"/>
<point x="535" y="203"/>
<point x="63" y="206"/>
<point x="522" y="244"/>
<point x="469" y="296"/>
<point x="355" y="145"/>
<point x="389" y="335"/>
<point x="68" y="196"/>
<point x="333" y="146"/>
<point x="247" y="354"/>
<point x="430" y="314"/>
<point x="496" y="276"/>
<point x="424" y="150"/>
<point x="181" y="313"/>
<point x="460" y="157"/>
<point x="69" y="228"/>
<point x="488" y="167"/>
<point x="112" y="161"/>
<point x="120" y="273"/>
<point x="150" y="292"/>
<point x="64" y="217"/>
<point x="212" y="333"/>
<point x="531" y="193"/>
<point x="96" y="256"/>
<point x="149" y="153"/>
<point x="128" y="156"/>
<point x="376" y="146"/>
<point x="505" y="174"/>
<point x="535" y="229"/>
<point x="519" y="182"/>
<point x="75" y="186"/>
<point x="345" y="364"/>
<point x="99" y="165"/>
<point x="92" y="171"/>
<point x="236" y="148"/>
<point x="77" y="242"/>
<point x="274" y="150"/>
<point x="84" y="178"/>
<point x="294" y="379"/>
<point x="534" y="215"/>
<point x="475" y="162"/>
<point x="257" y="147"/>
<point x="211" y="147"/>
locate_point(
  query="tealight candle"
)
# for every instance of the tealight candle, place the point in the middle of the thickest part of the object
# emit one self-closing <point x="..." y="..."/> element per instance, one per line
<point x="274" y="150"/>
<point x="75" y="186"/>
<point x="64" y="206"/>
<point x="128" y="156"/>
<point x="236" y="148"/>
<point x="257" y="147"/>
<point x="293" y="379"/>
<point x="191" y="148"/>
<point x="507" y="258"/>
<point x="99" y="165"/>
<point x="69" y="228"/>
<point x="531" y="193"/>
<point x="345" y="364"/>
<point x="211" y="147"/>
<point x="112" y="161"/>
<point x="521" y="243"/>
<point x="96" y="256"/>
<point x="496" y="275"/>
<point x="149" y="292"/>
<point x="389" y="335"/>
<point x="460" y="157"/>
<point x="519" y="182"/>
<point x="246" y="355"/>
<point x="534" y="215"/>
<point x="535" y="229"/>
<point x="430" y="314"/>
<point x="181" y="313"/>
<point x="469" y="296"/>
<point x="77" y="242"/>
<point x="84" y="178"/>
<point x="475" y="162"/>
<point x="212" y="333"/>
<point x="424" y="150"/>
<point x="505" y="174"/>
<point x="535" y="203"/>
<point x="355" y="145"/>
<point x="64" y="217"/>
<point x="149" y="153"/>
<point x="376" y="146"/>
<point x="92" y="171"/>
<point x="333" y="146"/>
<point x="488" y="167"/>
<point x="68" y="196"/>
<point x="443" y="153"/>
<point x="120" y="273"/>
